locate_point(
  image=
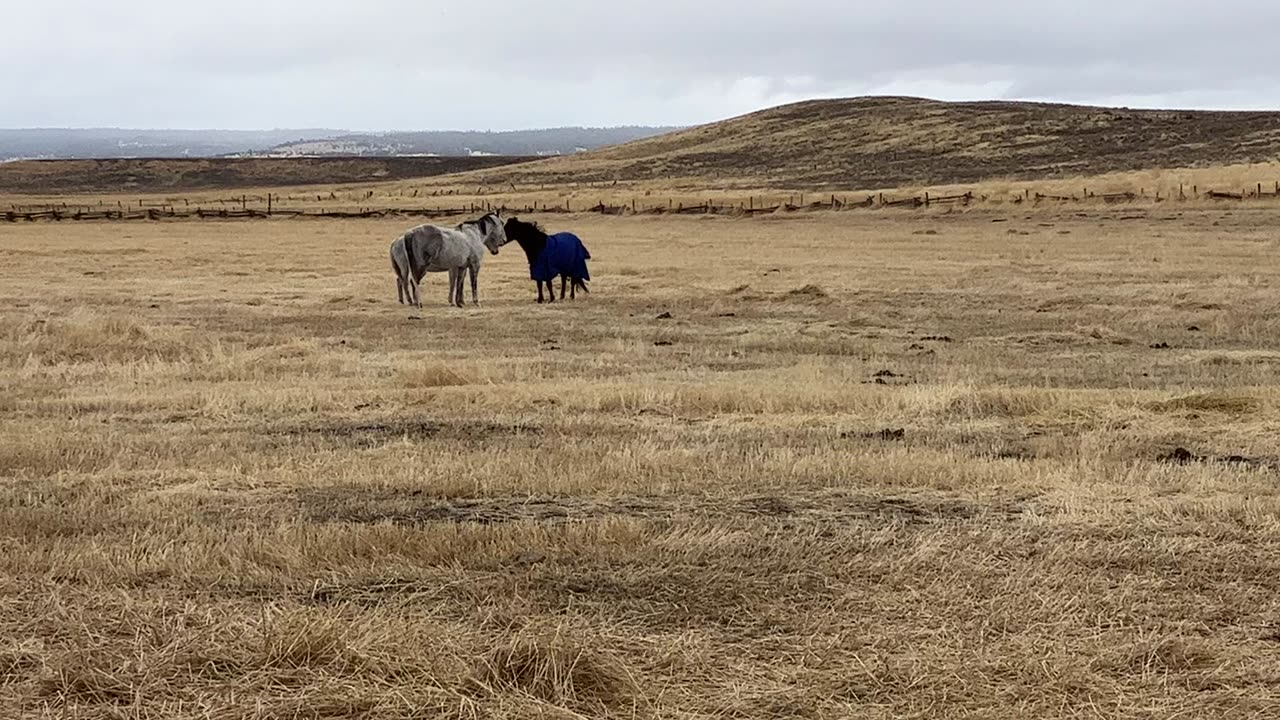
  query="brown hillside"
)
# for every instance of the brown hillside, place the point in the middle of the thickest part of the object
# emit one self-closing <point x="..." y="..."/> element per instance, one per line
<point x="175" y="174"/>
<point x="890" y="141"/>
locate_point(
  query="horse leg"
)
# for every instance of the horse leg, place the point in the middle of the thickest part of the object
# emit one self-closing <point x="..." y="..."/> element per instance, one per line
<point x="539" y="284"/>
<point x="402" y="290"/>
<point x="563" y="280"/>
<point x="475" y="284"/>
<point x="573" y="289"/>
<point x="551" y="292"/>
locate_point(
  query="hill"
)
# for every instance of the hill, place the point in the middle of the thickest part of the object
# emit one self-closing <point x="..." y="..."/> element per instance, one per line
<point x="552" y="141"/>
<point x="57" y="143"/>
<point x="63" y="143"/>
<point x="177" y="174"/>
<point x="893" y="141"/>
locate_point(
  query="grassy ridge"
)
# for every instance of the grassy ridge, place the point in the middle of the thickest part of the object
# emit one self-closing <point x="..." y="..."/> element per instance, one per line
<point x="891" y="142"/>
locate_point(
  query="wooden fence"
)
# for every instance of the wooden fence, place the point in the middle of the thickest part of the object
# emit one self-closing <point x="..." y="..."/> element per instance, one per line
<point x="268" y="206"/>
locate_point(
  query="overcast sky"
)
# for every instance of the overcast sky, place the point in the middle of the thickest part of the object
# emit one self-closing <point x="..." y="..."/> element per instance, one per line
<point x="501" y="64"/>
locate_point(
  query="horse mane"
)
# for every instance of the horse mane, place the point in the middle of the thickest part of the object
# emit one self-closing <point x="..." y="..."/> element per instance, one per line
<point x="478" y="222"/>
<point x="481" y="222"/>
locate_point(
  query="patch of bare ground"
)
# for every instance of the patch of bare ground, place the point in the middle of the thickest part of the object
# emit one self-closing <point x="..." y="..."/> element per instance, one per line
<point x="802" y="507"/>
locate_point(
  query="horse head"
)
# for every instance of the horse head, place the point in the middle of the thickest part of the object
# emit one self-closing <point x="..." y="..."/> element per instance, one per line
<point x="521" y="231"/>
<point x="493" y="230"/>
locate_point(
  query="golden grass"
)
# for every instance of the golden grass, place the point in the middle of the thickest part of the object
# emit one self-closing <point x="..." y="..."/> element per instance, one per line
<point x="237" y="480"/>
<point x="1168" y="189"/>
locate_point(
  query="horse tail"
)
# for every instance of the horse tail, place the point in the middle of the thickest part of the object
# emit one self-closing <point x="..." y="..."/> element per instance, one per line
<point x="582" y="264"/>
<point x="410" y="253"/>
<point x="395" y="267"/>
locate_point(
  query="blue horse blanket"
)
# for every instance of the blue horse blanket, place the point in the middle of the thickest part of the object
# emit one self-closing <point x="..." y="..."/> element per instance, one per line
<point x="564" y="255"/>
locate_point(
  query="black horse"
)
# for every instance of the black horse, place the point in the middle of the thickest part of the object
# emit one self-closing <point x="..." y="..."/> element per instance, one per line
<point x="561" y="254"/>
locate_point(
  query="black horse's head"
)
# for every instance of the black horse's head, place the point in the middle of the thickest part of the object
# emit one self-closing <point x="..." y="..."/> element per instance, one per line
<point x="520" y="230"/>
<point x="532" y="239"/>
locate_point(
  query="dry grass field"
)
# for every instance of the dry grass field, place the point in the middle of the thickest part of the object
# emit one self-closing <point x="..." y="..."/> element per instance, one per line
<point x="993" y="464"/>
<point x="167" y="175"/>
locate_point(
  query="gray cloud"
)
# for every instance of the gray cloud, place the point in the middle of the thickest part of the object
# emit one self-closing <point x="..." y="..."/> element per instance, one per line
<point x="387" y="64"/>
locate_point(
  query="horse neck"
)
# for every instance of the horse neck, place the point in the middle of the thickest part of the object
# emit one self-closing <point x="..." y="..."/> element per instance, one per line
<point x="532" y="245"/>
<point x="473" y="232"/>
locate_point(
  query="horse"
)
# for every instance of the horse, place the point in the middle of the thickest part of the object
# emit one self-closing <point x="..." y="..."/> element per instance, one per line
<point x="561" y="254"/>
<point x="458" y="250"/>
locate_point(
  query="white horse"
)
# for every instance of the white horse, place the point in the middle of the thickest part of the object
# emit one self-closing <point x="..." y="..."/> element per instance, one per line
<point x="432" y="248"/>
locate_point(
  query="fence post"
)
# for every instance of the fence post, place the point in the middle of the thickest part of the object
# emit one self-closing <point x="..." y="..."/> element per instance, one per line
<point x="926" y="198"/>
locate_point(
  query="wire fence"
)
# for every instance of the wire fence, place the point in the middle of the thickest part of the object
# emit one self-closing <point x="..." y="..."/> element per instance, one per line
<point x="268" y="206"/>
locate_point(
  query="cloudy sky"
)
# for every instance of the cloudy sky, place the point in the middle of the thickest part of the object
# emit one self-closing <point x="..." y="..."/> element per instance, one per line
<point x="502" y="64"/>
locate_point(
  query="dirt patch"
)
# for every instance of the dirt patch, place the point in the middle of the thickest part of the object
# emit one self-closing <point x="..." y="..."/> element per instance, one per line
<point x="887" y="435"/>
<point x="820" y="508"/>
<point x="888" y="377"/>
<point x="1083" y="336"/>
<point x="1183" y="456"/>
<point x="1106" y="335"/>
<point x="808" y="292"/>
<point x="1207" y="402"/>
<point x="375" y="433"/>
